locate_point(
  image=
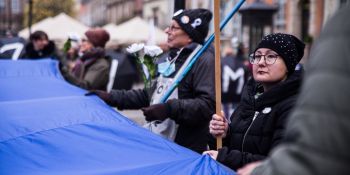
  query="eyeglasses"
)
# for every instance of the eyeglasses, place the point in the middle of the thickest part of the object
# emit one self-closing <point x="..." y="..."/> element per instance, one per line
<point x="269" y="58"/>
<point x="173" y="28"/>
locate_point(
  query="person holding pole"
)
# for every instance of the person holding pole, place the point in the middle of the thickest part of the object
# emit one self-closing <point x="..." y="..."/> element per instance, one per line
<point x="192" y="104"/>
<point x="259" y="121"/>
<point x="318" y="131"/>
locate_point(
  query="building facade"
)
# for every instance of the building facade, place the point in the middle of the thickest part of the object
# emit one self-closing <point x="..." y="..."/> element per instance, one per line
<point x="159" y="11"/>
<point x="100" y="12"/>
<point x="306" y="18"/>
<point x="302" y="18"/>
<point x="11" y="15"/>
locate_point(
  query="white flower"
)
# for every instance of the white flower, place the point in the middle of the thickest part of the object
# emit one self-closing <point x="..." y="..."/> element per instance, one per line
<point x="146" y="60"/>
<point x="135" y="47"/>
<point x="153" y="51"/>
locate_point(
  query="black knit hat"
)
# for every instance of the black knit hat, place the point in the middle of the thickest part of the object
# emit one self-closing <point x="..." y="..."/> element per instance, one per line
<point x="289" y="47"/>
<point x="194" y="22"/>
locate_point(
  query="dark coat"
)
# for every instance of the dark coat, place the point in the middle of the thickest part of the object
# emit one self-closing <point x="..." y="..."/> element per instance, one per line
<point x="259" y="121"/>
<point x="196" y="103"/>
<point x="234" y="74"/>
<point x="49" y="51"/>
<point x="93" y="73"/>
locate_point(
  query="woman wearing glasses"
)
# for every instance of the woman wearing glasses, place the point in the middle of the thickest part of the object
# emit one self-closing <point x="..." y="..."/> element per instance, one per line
<point x="191" y="105"/>
<point x="259" y="121"/>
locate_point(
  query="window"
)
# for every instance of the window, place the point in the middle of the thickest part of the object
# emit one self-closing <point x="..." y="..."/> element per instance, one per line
<point x="2" y="4"/>
<point x="280" y="16"/>
<point x="344" y="2"/>
<point x="15" y="6"/>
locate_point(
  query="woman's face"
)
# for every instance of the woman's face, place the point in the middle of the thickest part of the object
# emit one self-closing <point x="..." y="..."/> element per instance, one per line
<point x="85" y="46"/>
<point x="268" y="73"/>
<point x="177" y="38"/>
<point x="41" y="43"/>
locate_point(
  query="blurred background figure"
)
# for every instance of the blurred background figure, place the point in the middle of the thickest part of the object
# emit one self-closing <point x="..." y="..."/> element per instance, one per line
<point x="127" y="73"/>
<point x="40" y="47"/>
<point x="11" y="46"/>
<point x="91" y="69"/>
<point x="234" y="76"/>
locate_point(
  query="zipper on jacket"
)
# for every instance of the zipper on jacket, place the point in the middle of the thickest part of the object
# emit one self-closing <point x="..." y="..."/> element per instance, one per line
<point x="245" y="134"/>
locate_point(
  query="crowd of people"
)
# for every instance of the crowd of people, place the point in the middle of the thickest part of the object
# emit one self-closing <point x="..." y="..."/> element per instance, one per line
<point x="272" y="129"/>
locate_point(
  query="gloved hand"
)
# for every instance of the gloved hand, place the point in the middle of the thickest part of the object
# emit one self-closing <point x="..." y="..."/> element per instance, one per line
<point x="156" y="112"/>
<point x="105" y="96"/>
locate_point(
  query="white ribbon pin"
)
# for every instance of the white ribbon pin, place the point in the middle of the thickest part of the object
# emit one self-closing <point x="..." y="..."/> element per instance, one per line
<point x="196" y="22"/>
<point x="185" y="19"/>
<point x="267" y="110"/>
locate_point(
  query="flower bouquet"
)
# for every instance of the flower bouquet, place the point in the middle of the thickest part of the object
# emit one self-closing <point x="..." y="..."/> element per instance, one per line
<point x="146" y="56"/>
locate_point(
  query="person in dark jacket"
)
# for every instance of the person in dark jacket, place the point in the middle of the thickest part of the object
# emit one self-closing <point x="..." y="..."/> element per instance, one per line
<point x="318" y="132"/>
<point x="234" y="75"/>
<point x="40" y="47"/>
<point x="91" y="70"/>
<point x="194" y="101"/>
<point x="259" y="121"/>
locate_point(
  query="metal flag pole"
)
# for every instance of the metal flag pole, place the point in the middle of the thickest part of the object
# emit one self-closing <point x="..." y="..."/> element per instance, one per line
<point x="199" y="53"/>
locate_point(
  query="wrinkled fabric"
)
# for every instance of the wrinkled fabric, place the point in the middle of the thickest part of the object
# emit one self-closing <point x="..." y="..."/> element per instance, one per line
<point x="49" y="127"/>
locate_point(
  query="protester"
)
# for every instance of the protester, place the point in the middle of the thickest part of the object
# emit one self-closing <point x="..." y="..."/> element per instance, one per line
<point x="234" y="76"/>
<point x="40" y="47"/>
<point x="13" y="43"/>
<point x="91" y="70"/>
<point x="193" y="102"/>
<point x="318" y="132"/>
<point x="259" y="121"/>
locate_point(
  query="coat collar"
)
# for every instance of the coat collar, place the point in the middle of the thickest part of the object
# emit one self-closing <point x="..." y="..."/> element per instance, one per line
<point x="278" y="93"/>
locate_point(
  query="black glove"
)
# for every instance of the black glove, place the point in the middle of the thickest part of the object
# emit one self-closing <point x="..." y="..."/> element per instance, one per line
<point x="105" y="96"/>
<point x="156" y="112"/>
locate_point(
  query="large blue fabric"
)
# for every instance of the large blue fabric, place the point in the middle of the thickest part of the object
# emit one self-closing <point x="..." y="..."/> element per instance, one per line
<point x="48" y="126"/>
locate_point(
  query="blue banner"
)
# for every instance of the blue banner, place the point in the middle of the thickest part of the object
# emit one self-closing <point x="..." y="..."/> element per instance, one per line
<point x="48" y="126"/>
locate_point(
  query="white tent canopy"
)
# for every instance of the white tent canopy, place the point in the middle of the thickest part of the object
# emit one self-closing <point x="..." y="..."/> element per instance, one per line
<point x="112" y="30"/>
<point x="58" y="28"/>
<point x="138" y="30"/>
